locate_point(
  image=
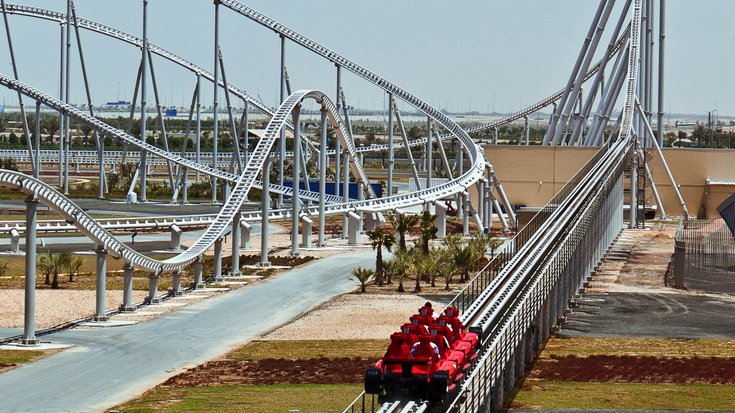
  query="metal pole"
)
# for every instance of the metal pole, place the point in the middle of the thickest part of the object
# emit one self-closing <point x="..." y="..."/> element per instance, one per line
<point x="550" y="133"/>
<point x="322" y="174"/>
<point x="599" y="27"/>
<point x="215" y="126"/>
<point x="101" y="289"/>
<point x="236" y="244"/>
<point x="246" y="128"/>
<point x="24" y="120"/>
<point x="345" y="192"/>
<point x="37" y="136"/>
<point x="337" y="149"/>
<point x="391" y="155"/>
<point x="406" y="145"/>
<point x="684" y="209"/>
<point x="159" y="111"/>
<point x="217" y="276"/>
<point x="98" y="139"/>
<point x="29" y="322"/>
<point x="265" y="211"/>
<point x="67" y="80"/>
<point x="429" y="150"/>
<point x="235" y="137"/>
<point x="661" y="72"/>
<point x="127" y="304"/>
<point x="295" y="181"/>
<point x="282" y="141"/>
<point x="61" y="115"/>
<point x="198" y="155"/>
<point x="144" y="70"/>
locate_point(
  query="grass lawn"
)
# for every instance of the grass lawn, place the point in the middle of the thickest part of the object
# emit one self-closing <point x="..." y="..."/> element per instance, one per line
<point x="593" y="346"/>
<point x="255" y="398"/>
<point x="310" y="349"/>
<point x="10" y="359"/>
<point x="647" y="396"/>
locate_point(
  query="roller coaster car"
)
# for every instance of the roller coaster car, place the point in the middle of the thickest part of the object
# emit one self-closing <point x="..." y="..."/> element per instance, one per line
<point x="428" y="357"/>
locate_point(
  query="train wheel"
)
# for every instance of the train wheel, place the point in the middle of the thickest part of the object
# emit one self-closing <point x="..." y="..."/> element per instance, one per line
<point x="373" y="380"/>
<point x="439" y="385"/>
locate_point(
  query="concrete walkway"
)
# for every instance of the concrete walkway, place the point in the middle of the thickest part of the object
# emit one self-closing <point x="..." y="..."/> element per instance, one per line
<point x="109" y="366"/>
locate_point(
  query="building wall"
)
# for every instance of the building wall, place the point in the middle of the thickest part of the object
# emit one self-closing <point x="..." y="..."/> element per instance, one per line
<point x="532" y="175"/>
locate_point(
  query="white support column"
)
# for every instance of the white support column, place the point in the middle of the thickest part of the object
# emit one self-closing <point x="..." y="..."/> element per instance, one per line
<point x="198" y="270"/>
<point x="295" y="201"/>
<point x="101" y="290"/>
<point x="175" y="237"/>
<point x="127" y="304"/>
<point x="466" y="215"/>
<point x="306" y="223"/>
<point x="354" y="228"/>
<point x="153" y="297"/>
<point x="236" y="226"/>
<point x="217" y="276"/>
<point x="245" y="230"/>
<point x="323" y="165"/>
<point x="176" y="284"/>
<point x="15" y="241"/>
<point x="29" y="320"/>
<point x="265" y="208"/>
<point x="441" y="220"/>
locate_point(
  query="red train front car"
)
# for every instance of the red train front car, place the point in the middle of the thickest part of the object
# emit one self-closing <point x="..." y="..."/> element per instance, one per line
<point x="427" y="358"/>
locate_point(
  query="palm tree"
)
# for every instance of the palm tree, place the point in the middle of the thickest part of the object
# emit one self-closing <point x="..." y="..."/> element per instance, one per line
<point x="53" y="264"/>
<point x="51" y="125"/>
<point x="446" y="270"/>
<point x="404" y="265"/>
<point x="402" y="224"/>
<point x="363" y="275"/>
<point x="463" y="259"/>
<point x="494" y="244"/>
<point x="379" y="239"/>
<point x="424" y="266"/>
<point x="390" y="268"/>
<point x="428" y="230"/>
<point x="75" y="264"/>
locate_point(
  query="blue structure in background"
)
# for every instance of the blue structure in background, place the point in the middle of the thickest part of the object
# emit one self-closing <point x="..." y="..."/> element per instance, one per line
<point x="330" y="190"/>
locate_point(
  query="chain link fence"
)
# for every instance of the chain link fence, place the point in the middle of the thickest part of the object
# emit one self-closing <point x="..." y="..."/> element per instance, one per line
<point x="704" y="256"/>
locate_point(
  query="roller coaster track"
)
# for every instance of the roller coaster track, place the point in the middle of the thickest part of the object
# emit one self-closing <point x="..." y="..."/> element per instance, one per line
<point x="504" y="309"/>
<point x="51" y="15"/>
<point x="513" y="297"/>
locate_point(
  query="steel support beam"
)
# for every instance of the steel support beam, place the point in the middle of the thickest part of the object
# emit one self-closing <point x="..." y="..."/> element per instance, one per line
<point x="29" y="319"/>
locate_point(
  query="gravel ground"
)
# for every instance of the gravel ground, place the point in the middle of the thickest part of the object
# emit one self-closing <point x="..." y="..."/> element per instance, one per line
<point x="54" y="307"/>
<point x="353" y="316"/>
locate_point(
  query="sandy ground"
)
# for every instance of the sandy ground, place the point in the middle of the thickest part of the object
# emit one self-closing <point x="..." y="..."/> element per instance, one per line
<point x="353" y="316"/>
<point x="54" y="307"/>
<point x="281" y="242"/>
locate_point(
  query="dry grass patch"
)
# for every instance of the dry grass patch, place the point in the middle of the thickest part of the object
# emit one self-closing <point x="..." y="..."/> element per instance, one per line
<point x="10" y="359"/>
<point x="646" y="396"/>
<point x="593" y="346"/>
<point x="246" y="399"/>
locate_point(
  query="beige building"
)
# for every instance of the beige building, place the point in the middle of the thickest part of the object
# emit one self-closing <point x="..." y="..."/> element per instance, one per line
<point x="532" y="175"/>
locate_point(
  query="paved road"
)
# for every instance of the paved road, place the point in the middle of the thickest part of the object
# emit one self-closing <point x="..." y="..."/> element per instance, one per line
<point x="652" y="315"/>
<point x="109" y="366"/>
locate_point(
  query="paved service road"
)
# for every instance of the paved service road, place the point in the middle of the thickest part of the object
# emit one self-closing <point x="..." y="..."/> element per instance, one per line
<point x="109" y="366"/>
<point x="653" y="315"/>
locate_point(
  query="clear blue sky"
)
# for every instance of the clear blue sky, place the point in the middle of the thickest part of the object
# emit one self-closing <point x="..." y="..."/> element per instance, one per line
<point x="487" y="54"/>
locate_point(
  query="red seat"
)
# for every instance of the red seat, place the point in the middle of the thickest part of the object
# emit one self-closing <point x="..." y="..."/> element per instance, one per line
<point x="445" y="349"/>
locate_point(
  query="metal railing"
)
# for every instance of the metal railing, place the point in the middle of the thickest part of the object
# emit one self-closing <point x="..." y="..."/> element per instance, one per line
<point x="704" y="256"/>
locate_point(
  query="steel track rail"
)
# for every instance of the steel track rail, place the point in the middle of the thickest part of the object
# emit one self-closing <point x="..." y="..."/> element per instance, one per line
<point x="476" y="156"/>
<point x="615" y="160"/>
